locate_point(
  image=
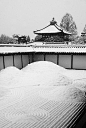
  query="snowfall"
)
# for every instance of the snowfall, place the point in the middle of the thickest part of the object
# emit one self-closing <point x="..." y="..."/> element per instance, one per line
<point x="41" y="95"/>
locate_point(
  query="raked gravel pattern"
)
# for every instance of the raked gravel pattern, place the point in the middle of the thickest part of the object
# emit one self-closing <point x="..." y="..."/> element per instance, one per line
<point x="42" y="95"/>
<point x="27" y="109"/>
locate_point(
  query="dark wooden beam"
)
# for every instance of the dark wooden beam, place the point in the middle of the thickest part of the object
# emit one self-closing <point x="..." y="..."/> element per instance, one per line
<point x="21" y="60"/>
<point x="71" y="61"/>
<point x="44" y="57"/>
<point x="28" y="59"/>
<point x="33" y="56"/>
<point x="57" y="59"/>
<point x="3" y="62"/>
<point x="13" y="61"/>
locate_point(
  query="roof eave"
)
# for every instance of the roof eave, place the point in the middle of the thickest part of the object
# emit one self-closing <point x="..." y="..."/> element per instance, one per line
<point x="47" y="33"/>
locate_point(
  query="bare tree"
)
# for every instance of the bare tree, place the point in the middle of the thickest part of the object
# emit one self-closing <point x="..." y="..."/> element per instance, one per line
<point x="6" y="39"/>
<point x="68" y="24"/>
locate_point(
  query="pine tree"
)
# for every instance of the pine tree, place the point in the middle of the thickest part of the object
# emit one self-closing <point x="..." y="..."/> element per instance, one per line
<point x="28" y="38"/>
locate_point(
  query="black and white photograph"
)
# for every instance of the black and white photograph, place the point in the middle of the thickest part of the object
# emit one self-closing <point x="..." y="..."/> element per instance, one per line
<point x="42" y="63"/>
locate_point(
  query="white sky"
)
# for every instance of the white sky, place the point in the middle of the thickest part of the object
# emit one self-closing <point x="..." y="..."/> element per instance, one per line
<point x="26" y="16"/>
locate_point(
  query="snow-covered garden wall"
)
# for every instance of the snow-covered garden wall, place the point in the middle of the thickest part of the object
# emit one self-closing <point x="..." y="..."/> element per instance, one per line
<point x="21" y="59"/>
<point x="18" y="60"/>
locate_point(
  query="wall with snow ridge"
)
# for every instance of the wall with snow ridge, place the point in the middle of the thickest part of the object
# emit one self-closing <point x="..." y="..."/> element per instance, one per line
<point x="20" y="60"/>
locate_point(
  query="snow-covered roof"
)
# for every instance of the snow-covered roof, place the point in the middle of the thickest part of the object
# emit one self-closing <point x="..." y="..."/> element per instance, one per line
<point x="48" y="29"/>
<point x="53" y="27"/>
<point x="66" y="32"/>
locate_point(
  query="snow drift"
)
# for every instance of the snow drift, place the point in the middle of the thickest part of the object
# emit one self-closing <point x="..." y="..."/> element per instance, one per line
<point x="41" y="66"/>
<point x="50" y="104"/>
<point x="47" y="76"/>
<point x="3" y="92"/>
<point x="80" y="83"/>
<point x="64" y="94"/>
<point x="75" y="74"/>
<point x="9" y="76"/>
<point x="46" y="73"/>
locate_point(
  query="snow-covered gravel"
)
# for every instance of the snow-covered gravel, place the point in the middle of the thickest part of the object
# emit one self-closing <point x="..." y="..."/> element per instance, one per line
<point x="35" y="92"/>
<point x="46" y="75"/>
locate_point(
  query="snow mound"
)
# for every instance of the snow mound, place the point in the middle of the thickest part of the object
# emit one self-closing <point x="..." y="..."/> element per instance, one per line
<point x="75" y="74"/>
<point x="41" y="66"/>
<point x="3" y="92"/>
<point x="45" y="73"/>
<point x="75" y="94"/>
<point x="9" y="75"/>
<point x="45" y="79"/>
<point x="65" y="93"/>
<point x="9" y="70"/>
<point x="80" y="83"/>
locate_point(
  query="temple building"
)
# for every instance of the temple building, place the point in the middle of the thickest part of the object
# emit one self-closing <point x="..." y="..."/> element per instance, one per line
<point x="52" y="33"/>
<point x="83" y="34"/>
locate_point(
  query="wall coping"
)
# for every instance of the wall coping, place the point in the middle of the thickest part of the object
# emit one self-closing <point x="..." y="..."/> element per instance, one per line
<point x="45" y="49"/>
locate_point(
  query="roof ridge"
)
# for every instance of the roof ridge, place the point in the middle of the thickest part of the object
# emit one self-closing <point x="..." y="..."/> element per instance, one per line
<point x="42" y="28"/>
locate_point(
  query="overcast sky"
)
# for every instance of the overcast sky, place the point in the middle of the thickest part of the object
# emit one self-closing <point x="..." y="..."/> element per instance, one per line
<point x="26" y="16"/>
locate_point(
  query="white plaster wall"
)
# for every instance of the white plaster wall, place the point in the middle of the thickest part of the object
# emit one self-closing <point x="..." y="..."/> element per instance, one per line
<point x="38" y="57"/>
<point x="65" y="61"/>
<point x="79" y="61"/>
<point x="8" y="60"/>
<point x="1" y="62"/>
<point x="25" y="60"/>
<point x="17" y="61"/>
<point x="52" y="58"/>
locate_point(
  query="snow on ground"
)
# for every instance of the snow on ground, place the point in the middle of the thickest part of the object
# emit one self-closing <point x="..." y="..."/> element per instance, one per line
<point x="75" y="74"/>
<point x="10" y="76"/>
<point x="46" y="74"/>
<point x="64" y="94"/>
<point x="40" y="66"/>
<point x="78" y="77"/>
<point x="42" y="94"/>
<point x="3" y="91"/>
<point x="80" y="83"/>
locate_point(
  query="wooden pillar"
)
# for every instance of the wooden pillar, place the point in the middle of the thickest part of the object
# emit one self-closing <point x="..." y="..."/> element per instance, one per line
<point x="21" y="60"/>
<point x="13" y="61"/>
<point x="28" y="58"/>
<point x="44" y="57"/>
<point x="33" y="54"/>
<point x="57" y="59"/>
<point x="3" y="62"/>
<point x="71" y="61"/>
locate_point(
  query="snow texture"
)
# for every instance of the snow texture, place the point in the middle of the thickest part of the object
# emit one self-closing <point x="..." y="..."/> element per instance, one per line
<point x="47" y="75"/>
<point x="42" y="94"/>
